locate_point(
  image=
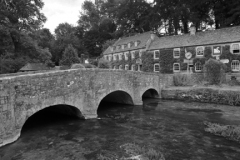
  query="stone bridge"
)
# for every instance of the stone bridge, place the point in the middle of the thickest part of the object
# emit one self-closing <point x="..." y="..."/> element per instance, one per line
<point x="21" y="96"/>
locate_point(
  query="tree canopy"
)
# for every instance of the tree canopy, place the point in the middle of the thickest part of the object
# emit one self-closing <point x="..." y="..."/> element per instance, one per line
<point x="100" y="24"/>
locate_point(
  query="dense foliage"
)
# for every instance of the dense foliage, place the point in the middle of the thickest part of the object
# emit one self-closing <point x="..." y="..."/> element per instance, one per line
<point x="23" y="40"/>
<point x="214" y="71"/>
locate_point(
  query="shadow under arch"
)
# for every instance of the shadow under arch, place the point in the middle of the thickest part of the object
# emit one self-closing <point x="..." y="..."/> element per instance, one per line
<point x="150" y="93"/>
<point x="51" y="115"/>
<point x="119" y="97"/>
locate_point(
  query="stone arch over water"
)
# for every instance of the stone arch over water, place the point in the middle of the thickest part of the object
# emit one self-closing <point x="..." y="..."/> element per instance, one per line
<point x="60" y="109"/>
<point x="150" y="93"/>
<point x="119" y="96"/>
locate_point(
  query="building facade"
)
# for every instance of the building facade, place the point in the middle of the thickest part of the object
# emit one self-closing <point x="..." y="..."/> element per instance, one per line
<point x="189" y="52"/>
<point x="126" y="53"/>
<point x="180" y="53"/>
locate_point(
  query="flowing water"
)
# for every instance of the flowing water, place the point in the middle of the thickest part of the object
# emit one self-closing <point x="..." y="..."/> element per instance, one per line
<point x="174" y="129"/>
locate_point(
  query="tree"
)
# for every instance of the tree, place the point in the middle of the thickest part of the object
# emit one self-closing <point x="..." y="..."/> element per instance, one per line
<point x="69" y="56"/>
<point x="22" y="14"/>
<point x="66" y="34"/>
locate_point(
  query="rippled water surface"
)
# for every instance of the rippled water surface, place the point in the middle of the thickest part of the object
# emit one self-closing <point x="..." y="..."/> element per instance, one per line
<point x="172" y="128"/>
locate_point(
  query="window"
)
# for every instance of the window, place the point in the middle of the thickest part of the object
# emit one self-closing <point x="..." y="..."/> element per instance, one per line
<point x="156" y="54"/>
<point x="126" y="56"/>
<point x="129" y="45"/>
<point x="126" y="67"/>
<point x="132" y="54"/>
<point x="120" y="67"/>
<point x="118" y="47"/>
<point x="176" y="67"/>
<point x="120" y="56"/>
<point x="235" y="65"/>
<point x="156" y="68"/>
<point x="114" y="67"/>
<point x="110" y="57"/>
<point x="216" y="50"/>
<point x="200" y="51"/>
<point x="114" y="57"/>
<point x="176" y="53"/>
<point x="133" y="67"/>
<point x="140" y="53"/>
<point x="198" y="67"/>
<point x="106" y="57"/>
<point x="136" y="44"/>
<point x="123" y="46"/>
<point x="235" y="49"/>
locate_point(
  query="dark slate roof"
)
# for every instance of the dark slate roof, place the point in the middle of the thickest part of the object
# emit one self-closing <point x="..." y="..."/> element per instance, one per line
<point x="143" y="38"/>
<point x="225" y="35"/>
<point x="34" y="67"/>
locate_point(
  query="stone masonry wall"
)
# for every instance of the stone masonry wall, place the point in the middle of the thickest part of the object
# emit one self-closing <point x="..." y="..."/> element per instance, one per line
<point x="23" y="95"/>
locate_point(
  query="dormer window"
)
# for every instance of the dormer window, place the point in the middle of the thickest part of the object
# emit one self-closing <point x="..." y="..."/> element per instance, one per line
<point x="129" y="45"/>
<point x="123" y="46"/>
<point x="136" y="43"/>
<point x="118" y="47"/>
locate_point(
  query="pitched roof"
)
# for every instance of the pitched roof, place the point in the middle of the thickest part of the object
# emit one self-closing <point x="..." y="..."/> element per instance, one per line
<point x="225" y="35"/>
<point x="143" y="38"/>
<point x="34" y="67"/>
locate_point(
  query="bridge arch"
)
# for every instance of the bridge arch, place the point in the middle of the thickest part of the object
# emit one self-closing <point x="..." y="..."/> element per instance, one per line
<point x="150" y="93"/>
<point x="118" y="96"/>
<point x="60" y="109"/>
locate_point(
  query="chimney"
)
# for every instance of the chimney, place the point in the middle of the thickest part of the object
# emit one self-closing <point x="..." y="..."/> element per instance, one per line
<point x="192" y="30"/>
<point x="152" y="36"/>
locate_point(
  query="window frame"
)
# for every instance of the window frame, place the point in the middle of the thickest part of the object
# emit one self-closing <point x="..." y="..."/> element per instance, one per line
<point x="132" y="54"/>
<point x="174" y="67"/>
<point x="201" y="55"/>
<point x="233" y="49"/>
<point x="120" y="56"/>
<point x="126" y="66"/>
<point x="140" y="53"/>
<point x="120" y="67"/>
<point x="196" y="66"/>
<point x="176" y="49"/>
<point x="235" y="70"/>
<point x="114" y="57"/>
<point x="126" y="54"/>
<point x="133" y="67"/>
<point x="154" y="67"/>
<point x="154" y="54"/>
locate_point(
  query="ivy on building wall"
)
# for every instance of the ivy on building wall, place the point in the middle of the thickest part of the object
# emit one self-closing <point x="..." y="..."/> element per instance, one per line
<point x="124" y="62"/>
<point x="148" y="61"/>
<point x="166" y="61"/>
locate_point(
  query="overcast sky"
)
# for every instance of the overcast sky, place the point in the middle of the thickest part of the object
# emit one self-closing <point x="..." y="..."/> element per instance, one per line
<point x="60" y="11"/>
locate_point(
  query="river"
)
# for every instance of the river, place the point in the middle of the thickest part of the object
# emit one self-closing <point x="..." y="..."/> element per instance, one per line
<point x="170" y="130"/>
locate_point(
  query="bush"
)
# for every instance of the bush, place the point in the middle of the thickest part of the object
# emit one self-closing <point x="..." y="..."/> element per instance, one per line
<point x="214" y="71"/>
<point x="231" y="132"/>
<point x="77" y="65"/>
<point x="182" y="79"/>
<point x="102" y="63"/>
<point x="89" y="65"/>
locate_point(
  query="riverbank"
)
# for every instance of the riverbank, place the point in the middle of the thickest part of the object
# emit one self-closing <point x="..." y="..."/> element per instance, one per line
<point x="228" y="95"/>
